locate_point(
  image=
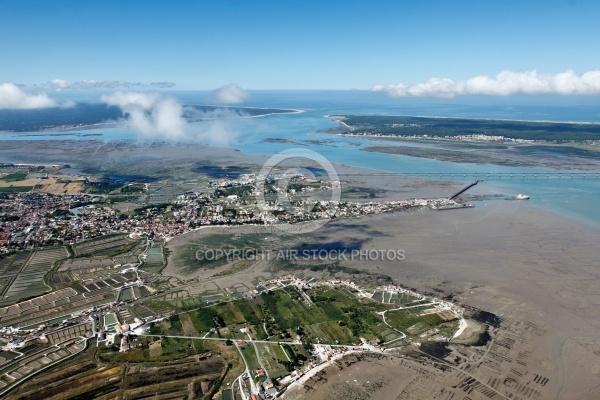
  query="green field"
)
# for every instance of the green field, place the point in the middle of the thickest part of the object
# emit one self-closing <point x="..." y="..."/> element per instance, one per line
<point x="227" y="314"/>
<point x="240" y="311"/>
<point x="172" y="349"/>
<point x="331" y="316"/>
<point x="271" y="354"/>
<point x="13" y="177"/>
<point x="287" y="310"/>
<point x="204" y="319"/>
<point x="409" y="322"/>
<point x="16" y="189"/>
<point x="250" y="357"/>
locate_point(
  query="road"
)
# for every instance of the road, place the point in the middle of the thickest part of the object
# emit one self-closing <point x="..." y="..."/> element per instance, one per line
<point x="391" y="327"/>
<point x="296" y="342"/>
<point x="253" y="388"/>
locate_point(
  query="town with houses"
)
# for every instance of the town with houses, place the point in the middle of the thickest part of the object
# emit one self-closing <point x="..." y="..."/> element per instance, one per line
<point x="35" y="219"/>
<point x="82" y="274"/>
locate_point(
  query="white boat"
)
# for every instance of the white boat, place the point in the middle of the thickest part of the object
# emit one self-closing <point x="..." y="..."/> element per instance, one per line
<point x="522" y="197"/>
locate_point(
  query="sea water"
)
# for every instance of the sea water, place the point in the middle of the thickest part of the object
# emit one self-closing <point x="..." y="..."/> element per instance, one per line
<point x="576" y="196"/>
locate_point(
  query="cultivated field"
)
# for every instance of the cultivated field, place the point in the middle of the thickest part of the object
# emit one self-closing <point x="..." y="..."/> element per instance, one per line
<point x="105" y="245"/>
<point x="56" y="185"/>
<point x="272" y="356"/>
<point x="53" y="306"/>
<point x="83" y="377"/>
<point x="29" y="270"/>
<point x="323" y="315"/>
<point x="37" y="361"/>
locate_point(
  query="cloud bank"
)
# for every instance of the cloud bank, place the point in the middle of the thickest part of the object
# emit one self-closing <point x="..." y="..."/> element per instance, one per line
<point x="162" y="85"/>
<point x="60" y="84"/>
<point x="13" y="97"/>
<point x="506" y="83"/>
<point x="230" y="94"/>
<point x="157" y="117"/>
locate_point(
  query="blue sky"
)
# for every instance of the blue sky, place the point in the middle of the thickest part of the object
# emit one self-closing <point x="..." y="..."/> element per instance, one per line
<point x="293" y="44"/>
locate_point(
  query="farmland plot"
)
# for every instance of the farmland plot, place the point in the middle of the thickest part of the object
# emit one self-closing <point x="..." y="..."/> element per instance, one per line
<point x="30" y="280"/>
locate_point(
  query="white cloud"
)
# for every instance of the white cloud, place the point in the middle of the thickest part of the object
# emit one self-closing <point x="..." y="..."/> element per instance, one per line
<point x="506" y="83"/>
<point x="12" y="96"/>
<point x="60" y="84"/>
<point x="158" y="117"/>
<point x="231" y="93"/>
<point x="130" y="100"/>
<point x="111" y="84"/>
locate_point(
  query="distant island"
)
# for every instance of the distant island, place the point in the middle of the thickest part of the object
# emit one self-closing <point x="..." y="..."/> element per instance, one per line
<point x="281" y="141"/>
<point x="85" y="115"/>
<point x="464" y="128"/>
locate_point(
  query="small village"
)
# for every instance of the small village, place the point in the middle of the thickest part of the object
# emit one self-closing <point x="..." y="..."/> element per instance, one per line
<point x="108" y="328"/>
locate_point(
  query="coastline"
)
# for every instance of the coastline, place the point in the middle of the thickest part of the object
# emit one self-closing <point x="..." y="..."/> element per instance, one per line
<point x="518" y="262"/>
<point x="479" y="119"/>
<point x="573" y="199"/>
<point x="122" y="122"/>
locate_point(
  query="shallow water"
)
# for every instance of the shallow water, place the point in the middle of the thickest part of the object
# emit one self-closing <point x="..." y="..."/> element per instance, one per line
<point x="576" y="197"/>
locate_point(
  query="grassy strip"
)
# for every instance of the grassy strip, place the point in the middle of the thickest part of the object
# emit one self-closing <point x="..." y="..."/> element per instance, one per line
<point x="16" y="189"/>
